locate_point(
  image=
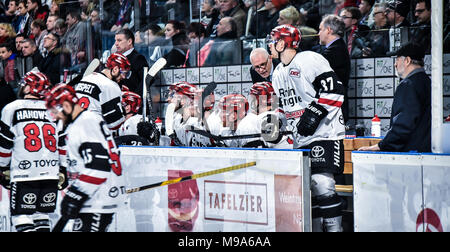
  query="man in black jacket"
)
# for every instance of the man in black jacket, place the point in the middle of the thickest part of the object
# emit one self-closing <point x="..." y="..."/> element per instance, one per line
<point x="55" y="60"/>
<point x="262" y="65"/>
<point x="335" y="50"/>
<point x="125" y="45"/>
<point x="410" y="125"/>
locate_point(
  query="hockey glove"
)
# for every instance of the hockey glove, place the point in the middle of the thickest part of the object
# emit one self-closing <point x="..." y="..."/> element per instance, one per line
<point x="310" y="120"/>
<point x="63" y="181"/>
<point x="72" y="203"/>
<point x="148" y="131"/>
<point x="5" y="179"/>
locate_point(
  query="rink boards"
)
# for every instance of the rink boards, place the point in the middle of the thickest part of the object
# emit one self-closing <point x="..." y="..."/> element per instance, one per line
<point x="396" y="192"/>
<point x="266" y="197"/>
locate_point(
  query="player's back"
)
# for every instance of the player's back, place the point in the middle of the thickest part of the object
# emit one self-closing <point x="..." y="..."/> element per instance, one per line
<point x="101" y="95"/>
<point x="33" y="154"/>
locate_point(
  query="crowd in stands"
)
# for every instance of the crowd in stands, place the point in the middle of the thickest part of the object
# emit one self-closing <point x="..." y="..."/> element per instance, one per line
<point x="60" y="36"/>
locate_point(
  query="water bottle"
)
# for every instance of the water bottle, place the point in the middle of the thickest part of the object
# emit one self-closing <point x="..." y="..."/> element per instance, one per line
<point x="376" y="127"/>
<point x="158" y="123"/>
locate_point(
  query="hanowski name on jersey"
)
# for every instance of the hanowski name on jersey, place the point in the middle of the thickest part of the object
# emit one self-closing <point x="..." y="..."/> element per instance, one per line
<point x="24" y="115"/>
<point x="88" y="88"/>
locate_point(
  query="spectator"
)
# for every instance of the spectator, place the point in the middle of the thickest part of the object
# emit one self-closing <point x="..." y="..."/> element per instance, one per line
<point x="177" y="57"/>
<point x="211" y="9"/>
<point x="60" y="28"/>
<point x="267" y="19"/>
<point x="289" y="15"/>
<point x="231" y="8"/>
<point x="410" y="125"/>
<point x="253" y="8"/>
<point x="365" y="7"/>
<point x="124" y="43"/>
<point x="263" y="65"/>
<point x="331" y="30"/>
<point x="153" y="36"/>
<point x="75" y="40"/>
<point x="10" y="13"/>
<point x="7" y="33"/>
<point x="396" y="13"/>
<point x="341" y="4"/>
<point x="377" y="41"/>
<point x="350" y="21"/>
<point x="39" y="30"/>
<point x="30" y="58"/>
<point x="225" y="48"/>
<point x="197" y="35"/>
<point x="124" y="18"/>
<point x="421" y="29"/>
<point x="51" y="21"/>
<point x="172" y="27"/>
<point x="209" y="12"/>
<point x="24" y="19"/>
<point x="56" y="60"/>
<point x="8" y="65"/>
<point x="37" y="10"/>
<point x="54" y="7"/>
<point x="19" y="38"/>
<point x="87" y="7"/>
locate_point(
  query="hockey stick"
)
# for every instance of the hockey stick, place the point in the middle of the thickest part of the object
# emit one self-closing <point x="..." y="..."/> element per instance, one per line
<point x="156" y="67"/>
<point x="90" y="69"/>
<point x="61" y="224"/>
<point x="194" y="176"/>
<point x="221" y="138"/>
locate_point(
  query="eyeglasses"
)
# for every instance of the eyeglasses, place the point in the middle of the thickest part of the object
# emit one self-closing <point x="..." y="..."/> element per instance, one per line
<point x="418" y="11"/>
<point x="345" y="17"/>
<point x="378" y="12"/>
<point x="263" y="65"/>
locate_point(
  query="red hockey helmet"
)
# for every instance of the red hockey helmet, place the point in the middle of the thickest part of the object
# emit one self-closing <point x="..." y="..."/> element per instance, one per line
<point x="117" y="59"/>
<point x="288" y="33"/>
<point x="234" y="102"/>
<point x="132" y="99"/>
<point x="38" y="83"/>
<point x="60" y="93"/>
<point x="263" y="91"/>
<point x="183" y="88"/>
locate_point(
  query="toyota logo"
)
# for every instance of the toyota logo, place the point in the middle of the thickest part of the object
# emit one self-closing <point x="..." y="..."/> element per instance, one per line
<point x="24" y="164"/>
<point x="29" y="198"/>
<point x="49" y="197"/>
<point x="317" y="151"/>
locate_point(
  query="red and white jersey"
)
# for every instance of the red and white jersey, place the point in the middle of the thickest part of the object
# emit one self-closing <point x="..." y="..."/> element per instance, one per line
<point x="94" y="160"/>
<point x="129" y="127"/>
<point x="28" y="141"/>
<point x="307" y="78"/>
<point x="252" y="124"/>
<point x="103" y="96"/>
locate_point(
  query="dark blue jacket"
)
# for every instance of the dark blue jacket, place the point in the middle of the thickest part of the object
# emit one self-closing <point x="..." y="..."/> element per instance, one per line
<point x="411" y="115"/>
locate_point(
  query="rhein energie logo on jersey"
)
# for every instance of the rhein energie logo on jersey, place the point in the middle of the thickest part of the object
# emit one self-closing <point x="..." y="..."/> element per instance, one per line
<point x="288" y="97"/>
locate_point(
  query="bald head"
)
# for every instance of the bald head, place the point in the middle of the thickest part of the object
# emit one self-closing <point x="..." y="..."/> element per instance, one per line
<point x="261" y="62"/>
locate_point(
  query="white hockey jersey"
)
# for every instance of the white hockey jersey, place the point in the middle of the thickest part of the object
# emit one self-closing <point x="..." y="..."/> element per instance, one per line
<point x="309" y="78"/>
<point x="28" y="141"/>
<point x="95" y="161"/>
<point x="129" y="127"/>
<point x="252" y="124"/>
<point x="103" y="96"/>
